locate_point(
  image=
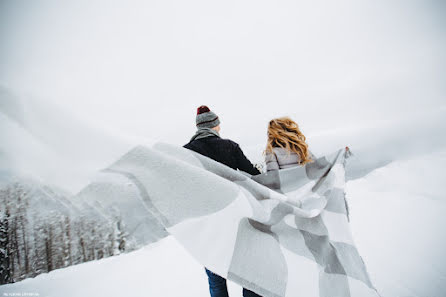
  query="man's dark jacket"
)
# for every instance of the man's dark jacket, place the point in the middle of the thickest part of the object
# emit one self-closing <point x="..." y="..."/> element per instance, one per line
<point x="224" y="151"/>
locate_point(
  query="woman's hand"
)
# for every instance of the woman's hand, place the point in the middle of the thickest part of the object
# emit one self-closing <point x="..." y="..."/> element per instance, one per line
<point x="348" y="152"/>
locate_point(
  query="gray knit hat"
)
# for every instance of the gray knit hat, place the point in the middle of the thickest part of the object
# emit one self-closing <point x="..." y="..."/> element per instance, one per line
<point x="206" y="118"/>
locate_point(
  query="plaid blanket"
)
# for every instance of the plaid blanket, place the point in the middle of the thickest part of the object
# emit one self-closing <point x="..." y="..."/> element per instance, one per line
<point x="281" y="233"/>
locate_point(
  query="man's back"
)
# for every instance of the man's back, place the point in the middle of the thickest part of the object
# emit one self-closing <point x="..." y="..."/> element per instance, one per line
<point x="224" y="151"/>
<point x="207" y="142"/>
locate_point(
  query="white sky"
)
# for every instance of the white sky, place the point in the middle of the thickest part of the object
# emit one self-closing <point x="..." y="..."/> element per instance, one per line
<point x="142" y="67"/>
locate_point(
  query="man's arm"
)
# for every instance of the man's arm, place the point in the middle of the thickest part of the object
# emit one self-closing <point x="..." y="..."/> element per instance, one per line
<point x="243" y="163"/>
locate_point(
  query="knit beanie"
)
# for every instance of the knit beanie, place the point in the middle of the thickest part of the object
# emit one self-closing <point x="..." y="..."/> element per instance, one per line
<point x="206" y="118"/>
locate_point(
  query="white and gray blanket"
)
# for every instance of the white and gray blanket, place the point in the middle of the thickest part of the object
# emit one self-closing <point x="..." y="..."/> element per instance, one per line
<point x="281" y="233"/>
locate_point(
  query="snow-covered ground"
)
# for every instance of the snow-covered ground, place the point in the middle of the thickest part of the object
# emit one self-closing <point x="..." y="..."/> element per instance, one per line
<point x="397" y="219"/>
<point x="75" y="95"/>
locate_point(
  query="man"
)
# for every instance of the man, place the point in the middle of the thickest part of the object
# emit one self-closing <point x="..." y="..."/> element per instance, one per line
<point x="207" y="142"/>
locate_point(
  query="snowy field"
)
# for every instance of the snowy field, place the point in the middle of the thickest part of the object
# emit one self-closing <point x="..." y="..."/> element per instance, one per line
<point x="397" y="219"/>
<point x="82" y="82"/>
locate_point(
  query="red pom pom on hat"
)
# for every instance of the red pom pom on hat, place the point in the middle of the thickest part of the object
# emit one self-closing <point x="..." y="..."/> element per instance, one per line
<point x="202" y="109"/>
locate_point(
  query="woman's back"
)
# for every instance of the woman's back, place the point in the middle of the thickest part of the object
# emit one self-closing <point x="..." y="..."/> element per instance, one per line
<point x="286" y="146"/>
<point x="281" y="158"/>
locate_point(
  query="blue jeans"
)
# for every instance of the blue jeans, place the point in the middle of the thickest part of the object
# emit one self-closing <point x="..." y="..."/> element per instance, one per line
<point x="218" y="288"/>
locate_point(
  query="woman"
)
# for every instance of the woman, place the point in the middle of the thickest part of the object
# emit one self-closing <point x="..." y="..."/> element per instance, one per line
<point x="286" y="146"/>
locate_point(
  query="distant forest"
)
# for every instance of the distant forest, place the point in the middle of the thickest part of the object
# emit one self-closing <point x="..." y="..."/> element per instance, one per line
<point x="41" y="230"/>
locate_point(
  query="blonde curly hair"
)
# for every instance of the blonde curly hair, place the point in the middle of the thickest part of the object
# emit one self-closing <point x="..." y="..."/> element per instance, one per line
<point x="285" y="133"/>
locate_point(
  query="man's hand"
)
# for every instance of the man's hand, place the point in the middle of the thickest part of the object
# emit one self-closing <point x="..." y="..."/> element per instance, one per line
<point x="259" y="166"/>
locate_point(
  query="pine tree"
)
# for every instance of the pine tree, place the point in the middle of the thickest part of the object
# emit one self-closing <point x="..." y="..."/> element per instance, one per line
<point x="5" y="269"/>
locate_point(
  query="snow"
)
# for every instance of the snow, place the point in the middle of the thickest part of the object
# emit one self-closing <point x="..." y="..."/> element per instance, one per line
<point x="143" y="82"/>
<point x="161" y="269"/>
<point x="394" y="193"/>
<point x="397" y="216"/>
<point x="379" y="90"/>
<point x="397" y="219"/>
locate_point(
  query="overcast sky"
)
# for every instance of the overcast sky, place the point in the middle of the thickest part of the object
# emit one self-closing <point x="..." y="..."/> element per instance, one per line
<point x="142" y="67"/>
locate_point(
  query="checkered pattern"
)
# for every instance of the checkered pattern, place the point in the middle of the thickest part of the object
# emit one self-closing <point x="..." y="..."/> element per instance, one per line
<point x="282" y="233"/>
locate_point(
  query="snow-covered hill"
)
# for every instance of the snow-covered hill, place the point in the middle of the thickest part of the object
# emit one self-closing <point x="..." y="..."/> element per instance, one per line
<point x="366" y="74"/>
<point x="395" y="196"/>
<point x="397" y="219"/>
